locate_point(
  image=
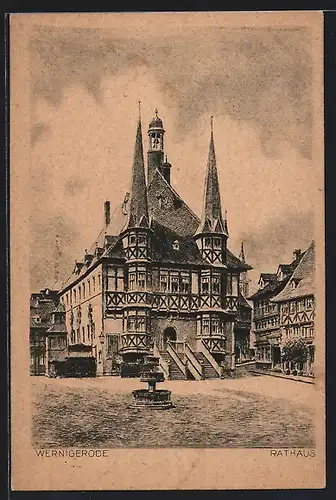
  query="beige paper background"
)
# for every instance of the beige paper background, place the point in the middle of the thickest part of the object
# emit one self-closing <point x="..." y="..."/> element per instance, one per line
<point x="146" y="468"/>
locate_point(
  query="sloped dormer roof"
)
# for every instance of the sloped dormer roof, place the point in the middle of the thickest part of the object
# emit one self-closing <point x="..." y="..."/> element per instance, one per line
<point x="303" y="278"/>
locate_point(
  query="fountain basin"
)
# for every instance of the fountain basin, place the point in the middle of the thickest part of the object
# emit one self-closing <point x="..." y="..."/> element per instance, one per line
<point x="159" y="399"/>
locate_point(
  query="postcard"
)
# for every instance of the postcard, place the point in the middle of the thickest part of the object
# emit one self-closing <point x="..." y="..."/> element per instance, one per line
<point x="167" y="251"/>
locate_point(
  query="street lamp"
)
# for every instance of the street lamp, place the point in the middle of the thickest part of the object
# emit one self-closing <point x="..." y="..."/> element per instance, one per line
<point x="100" y="355"/>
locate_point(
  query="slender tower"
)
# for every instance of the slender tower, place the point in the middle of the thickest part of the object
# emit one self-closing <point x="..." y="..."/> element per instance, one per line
<point x="136" y="237"/>
<point x="244" y="281"/>
<point x="211" y="239"/>
<point x="211" y="235"/>
<point x="155" y="155"/>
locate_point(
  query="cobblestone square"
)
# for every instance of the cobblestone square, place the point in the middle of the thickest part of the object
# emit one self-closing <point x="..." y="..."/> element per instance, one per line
<point x="254" y="411"/>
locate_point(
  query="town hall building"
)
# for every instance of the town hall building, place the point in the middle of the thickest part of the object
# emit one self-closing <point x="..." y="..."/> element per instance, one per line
<point x="159" y="279"/>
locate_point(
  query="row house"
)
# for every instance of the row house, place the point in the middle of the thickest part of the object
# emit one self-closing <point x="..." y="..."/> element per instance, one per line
<point x="266" y="313"/>
<point x="42" y="305"/>
<point x="296" y="304"/>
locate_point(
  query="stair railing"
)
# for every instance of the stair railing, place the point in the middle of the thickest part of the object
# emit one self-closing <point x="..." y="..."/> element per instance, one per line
<point x="193" y="364"/>
<point x="176" y="358"/>
<point x="204" y="350"/>
<point x="165" y="365"/>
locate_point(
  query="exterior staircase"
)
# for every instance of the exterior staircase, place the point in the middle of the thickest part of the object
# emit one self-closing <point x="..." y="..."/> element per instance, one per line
<point x="170" y="368"/>
<point x="209" y="371"/>
<point x="187" y="364"/>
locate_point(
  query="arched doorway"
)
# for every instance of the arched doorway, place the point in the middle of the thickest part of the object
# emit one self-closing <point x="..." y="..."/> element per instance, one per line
<point x="169" y="334"/>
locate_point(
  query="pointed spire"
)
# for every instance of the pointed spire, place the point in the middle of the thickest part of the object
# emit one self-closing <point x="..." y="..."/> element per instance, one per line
<point x="242" y="253"/>
<point x="226" y="223"/>
<point x="212" y="210"/>
<point x="138" y="205"/>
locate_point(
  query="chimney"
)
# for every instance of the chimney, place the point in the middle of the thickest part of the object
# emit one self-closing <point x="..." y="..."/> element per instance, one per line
<point x="297" y="253"/>
<point x="107" y="212"/>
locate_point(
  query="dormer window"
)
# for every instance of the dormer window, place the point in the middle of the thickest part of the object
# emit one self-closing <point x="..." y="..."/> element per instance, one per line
<point x="293" y="285"/>
<point x="217" y="242"/>
<point x="176" y="245"/>
<point x="161" y="201"/>
<point x="207" y="242"/>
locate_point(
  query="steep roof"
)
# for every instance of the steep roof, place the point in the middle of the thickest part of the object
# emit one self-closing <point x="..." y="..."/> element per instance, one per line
<point x="242" y="252"/>
<point x="272" y="288"/>
<point x="57" y="328"/>
<point x="159" y="204"/>
<point x="212" y="219"/>
<point x="163" y="247"/>
<point x="303" y="278"/>
<point x="275" y="286"/>
<point x="167" y="207"/>
<point x="268" y="276"/>
<point x="138" y="207"/>
<point x="243" y="302"/>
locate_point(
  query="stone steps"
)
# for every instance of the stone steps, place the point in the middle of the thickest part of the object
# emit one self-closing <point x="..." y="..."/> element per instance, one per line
<point x="175" y="372"/>
<point x="209" y="371"/>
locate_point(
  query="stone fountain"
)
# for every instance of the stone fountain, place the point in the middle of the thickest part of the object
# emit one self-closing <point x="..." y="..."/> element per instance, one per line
<point x="152" y="398"/>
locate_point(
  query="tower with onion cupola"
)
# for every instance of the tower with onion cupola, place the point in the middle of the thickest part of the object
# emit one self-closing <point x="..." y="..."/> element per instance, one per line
<point x="155" y="154"/>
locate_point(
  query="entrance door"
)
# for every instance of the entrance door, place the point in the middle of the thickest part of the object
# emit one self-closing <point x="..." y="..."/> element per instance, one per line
<point x="276" y="356"/>
<point x="238" y="353"/>
<point x="169" y="334"/>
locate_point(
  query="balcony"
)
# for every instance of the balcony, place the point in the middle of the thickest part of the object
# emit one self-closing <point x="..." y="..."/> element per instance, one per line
<point x="266" y="313"/>
<point x="140" y="298"/>
<point x="175" y="302"/>
<point x="135" y="343"/>
<point x="215" y="343"/>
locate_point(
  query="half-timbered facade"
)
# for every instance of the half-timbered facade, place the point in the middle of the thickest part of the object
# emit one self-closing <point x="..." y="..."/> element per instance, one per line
<point x="270" y="309"/>
<point x="296" y="303"/>
<point x="159" y="278"/>
<point x="42" y="305"/>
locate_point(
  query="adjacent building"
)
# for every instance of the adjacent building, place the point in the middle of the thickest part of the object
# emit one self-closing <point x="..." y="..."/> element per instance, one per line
<point x="296" y="303"/>
<point x="283" y="311"/>
<point x="42" y="305"/>
<point x="159" y="278"/>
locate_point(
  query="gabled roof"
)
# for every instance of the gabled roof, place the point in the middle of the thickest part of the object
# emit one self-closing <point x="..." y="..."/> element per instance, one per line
<point x="233" y="262"/>
<point x="173" y="213"/>
<point x="243" y="302"/>
<point x="57" y="328"/>
<point x="285" y="268"/>
<point x="272" y="288"/>
<point x="303" y="278"/>
<point x="268" y="277"/>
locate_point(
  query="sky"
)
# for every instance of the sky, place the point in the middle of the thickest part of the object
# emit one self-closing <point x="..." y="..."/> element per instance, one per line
<point x="85" y="87"/>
